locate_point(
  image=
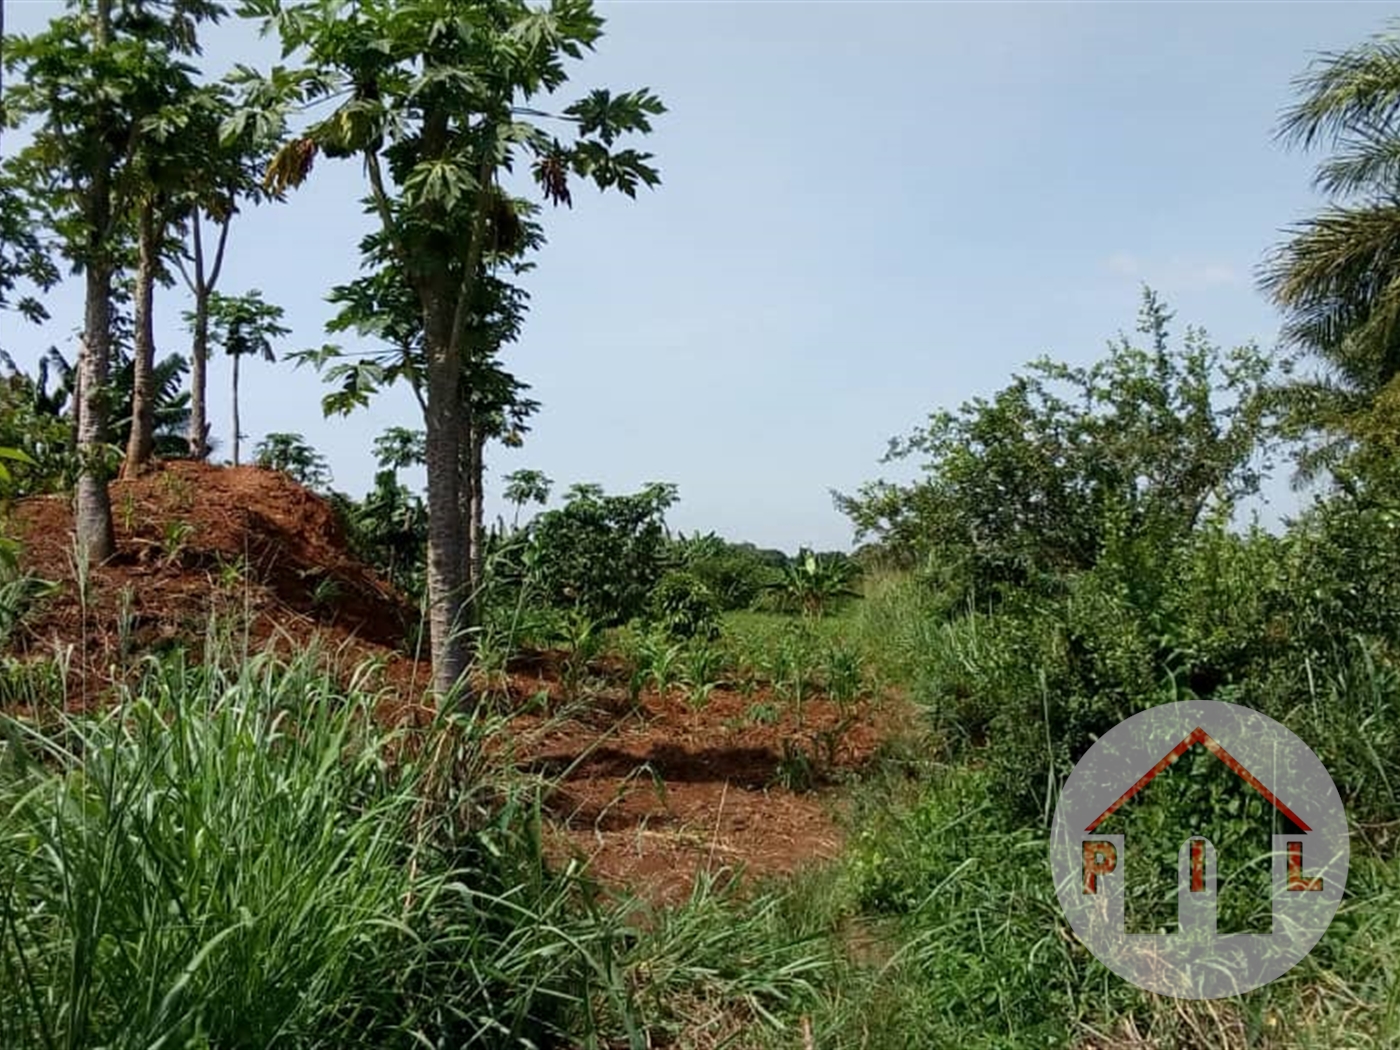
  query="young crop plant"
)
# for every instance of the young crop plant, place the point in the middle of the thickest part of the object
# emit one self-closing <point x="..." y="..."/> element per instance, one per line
<point x="128" y="512"/>
<point x="796" y="771"/>
<point x="178" y="490"/>
<point x="583" y="637"/>
<point x="763" y="713"/>
<point x="326" y="592"/>
<point x="704" y="665"/>
<point x="662" y="660"/>
<point x="843" y="674"/>
<point x="494" y="649"/>
<point x="232" y="573"/>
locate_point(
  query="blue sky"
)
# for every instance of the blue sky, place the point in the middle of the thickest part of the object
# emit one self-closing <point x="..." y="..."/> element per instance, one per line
<point x="868" y="211"/>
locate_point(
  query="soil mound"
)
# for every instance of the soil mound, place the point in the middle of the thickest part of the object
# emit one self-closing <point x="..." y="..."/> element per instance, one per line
<point x="193" y="539"/>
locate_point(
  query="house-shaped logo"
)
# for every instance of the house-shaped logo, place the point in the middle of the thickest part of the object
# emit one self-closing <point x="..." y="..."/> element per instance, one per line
<point x="1267" y="819"/>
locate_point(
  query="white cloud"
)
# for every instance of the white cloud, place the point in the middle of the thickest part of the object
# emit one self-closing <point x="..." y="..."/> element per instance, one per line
<point x="1174" y="274"/>
<point x="1123" y="264"/>
<point x="1212" y="275"/>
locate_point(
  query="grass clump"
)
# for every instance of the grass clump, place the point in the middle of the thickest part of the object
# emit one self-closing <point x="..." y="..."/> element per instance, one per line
<point x="240" y="858"/>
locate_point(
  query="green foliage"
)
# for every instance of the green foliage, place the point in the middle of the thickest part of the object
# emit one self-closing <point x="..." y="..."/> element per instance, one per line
<point x="31" y="422"/>
<point x="398" y="448"/>
<point x="813" y="583"/>
<point x="683" y="607"/>
<point x="843" y="673"/>
<point x="170" y="403"/>
<point x="526" y="486"/>
<point x="602" y="554"/>
<point x="735" y="573"/>
<point x="388" y="529"/>
<point x="290" y="454"/>
<point x="36" y="417"/>
<point x="434" y="102"/>
<point x="26" y="266"/>
<point x="244" y="325"/>
<point x="583" y="639"/>
<point x="1023" y="488"/>
<point x="20" y="593"/>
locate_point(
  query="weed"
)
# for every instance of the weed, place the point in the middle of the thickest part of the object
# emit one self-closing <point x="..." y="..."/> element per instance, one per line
<point x="326" y="592"/>
<point x="128" y="512"/>
<point x="36" y="685"/>
<point x="763" y="714"/>
<point x="795" y="771"/>
<point x="178" y="489"/>
<point x="184" y="869"/>
<point x="177" y="536"/>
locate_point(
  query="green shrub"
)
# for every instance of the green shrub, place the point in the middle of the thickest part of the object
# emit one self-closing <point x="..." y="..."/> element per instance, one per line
<point x="684" y="607"/>
<point x="602" y="554"/>
<point x="735" y="573"/>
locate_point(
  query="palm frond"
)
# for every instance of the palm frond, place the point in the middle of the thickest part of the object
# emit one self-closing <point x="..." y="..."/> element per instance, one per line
<point x="1338" y="281"/>
<point x="1345" y="90"/>
<point x="1367" y="160"/>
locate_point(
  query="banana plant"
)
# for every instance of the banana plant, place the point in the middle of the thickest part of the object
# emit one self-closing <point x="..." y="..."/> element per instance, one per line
<point x="813" y="582"/>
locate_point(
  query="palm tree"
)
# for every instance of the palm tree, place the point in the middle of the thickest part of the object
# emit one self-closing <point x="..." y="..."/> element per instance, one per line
<point x="1337" y="278"/>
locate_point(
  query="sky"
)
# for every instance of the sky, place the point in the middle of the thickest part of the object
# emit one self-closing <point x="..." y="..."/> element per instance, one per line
<point x="869" y="211"/>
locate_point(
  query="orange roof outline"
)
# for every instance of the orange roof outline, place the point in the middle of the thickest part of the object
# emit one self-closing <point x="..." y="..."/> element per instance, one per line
<point x="1200" y="736"/>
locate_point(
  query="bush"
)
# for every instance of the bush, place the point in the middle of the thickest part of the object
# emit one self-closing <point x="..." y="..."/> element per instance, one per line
<point x="735" y="573"/>
<point x="684" y="607"/>
<point x="602" y="554"/>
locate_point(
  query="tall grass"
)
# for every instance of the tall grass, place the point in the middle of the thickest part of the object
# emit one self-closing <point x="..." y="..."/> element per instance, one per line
<point x="243" y="858"/>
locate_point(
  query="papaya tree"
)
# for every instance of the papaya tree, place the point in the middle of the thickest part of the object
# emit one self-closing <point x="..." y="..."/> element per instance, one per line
<point x="158" y="172"/>
<point x="91" y="82"/>
<point x="526" y="486"/>
<point x="493" y="402"/>
<point x="223" y="173"/>
<point x="245" y="326"/>
<point x="432" y="98"/>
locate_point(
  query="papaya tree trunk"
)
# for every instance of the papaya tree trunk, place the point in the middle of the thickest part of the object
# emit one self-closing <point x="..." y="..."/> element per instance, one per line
<point x="237" y="431"/>
<point x="464" y="497"/>
<point x="198" y="436"/>
<point x="469" y="496"/>
<point x="93" y="516"/>
<point x="447" y="561"/>
<point x="476" y="553"/>
<point x="140" y="444"/>
<point x="93" y="511"/>
<point x="202" y="288"/>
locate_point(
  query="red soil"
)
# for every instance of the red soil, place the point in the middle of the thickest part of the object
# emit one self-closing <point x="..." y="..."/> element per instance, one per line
<point x="649" y="796"/>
